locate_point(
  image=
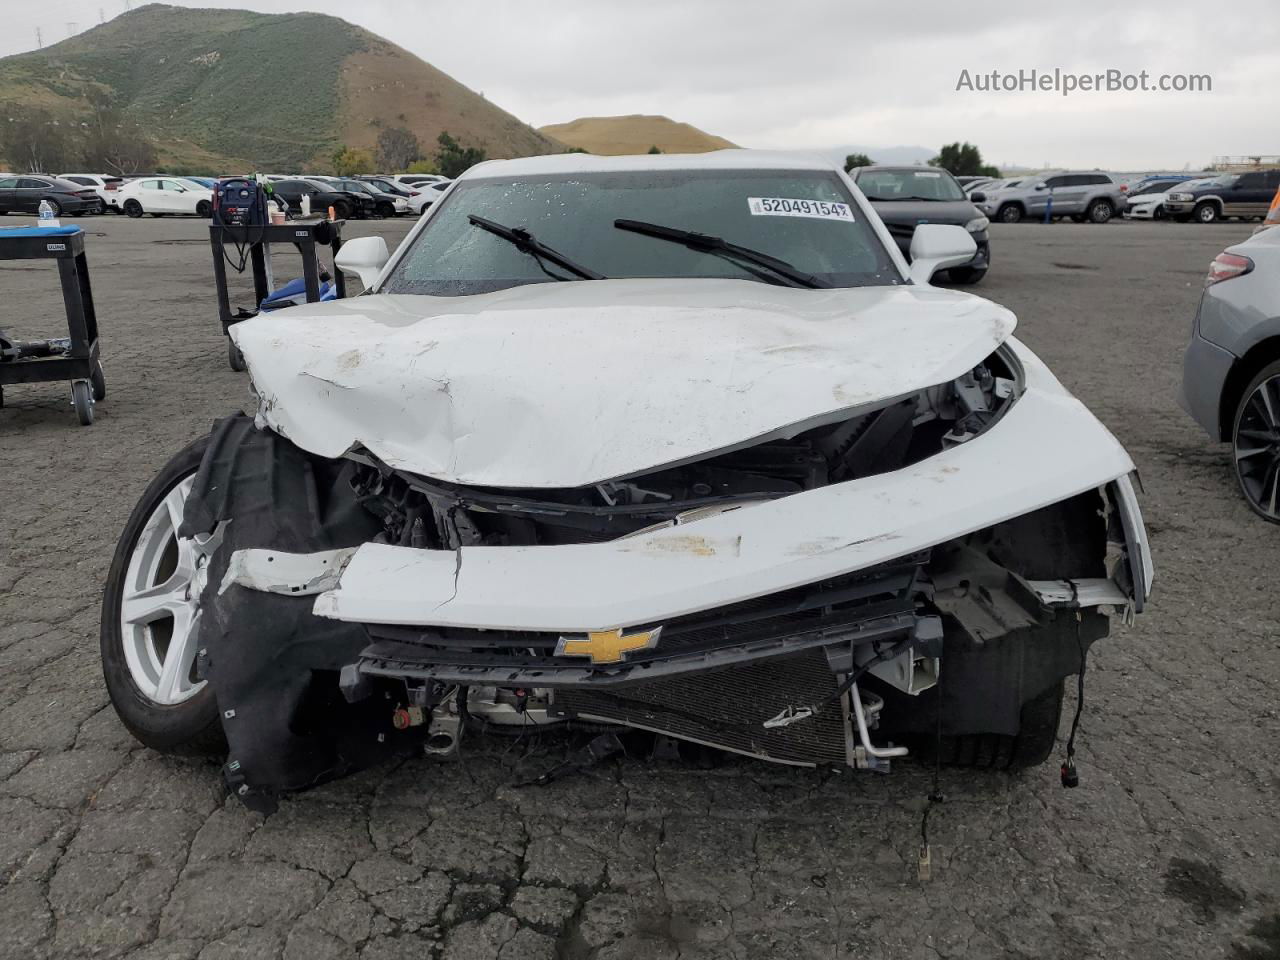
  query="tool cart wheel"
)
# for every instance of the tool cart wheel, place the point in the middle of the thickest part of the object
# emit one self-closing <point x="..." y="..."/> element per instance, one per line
<point x="235" y="358"/>
<point x="82" y="400"/>
<point x="99" y="383"/>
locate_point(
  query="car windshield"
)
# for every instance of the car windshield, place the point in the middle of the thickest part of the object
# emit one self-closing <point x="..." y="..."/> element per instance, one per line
<point x="1226" y="180"/>
<point x="805" y="218"/>
<point x="909" y="185"/>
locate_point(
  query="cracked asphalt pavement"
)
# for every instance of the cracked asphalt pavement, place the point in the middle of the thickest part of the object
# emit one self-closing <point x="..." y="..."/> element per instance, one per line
<point x="1169" y="848"/>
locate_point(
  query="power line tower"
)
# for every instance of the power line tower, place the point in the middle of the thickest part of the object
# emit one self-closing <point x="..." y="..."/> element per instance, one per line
<point x="39" y="40"/>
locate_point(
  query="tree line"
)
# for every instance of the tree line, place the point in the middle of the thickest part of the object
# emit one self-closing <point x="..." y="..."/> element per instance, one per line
<point x="398" y="150"/>
<point x="109" y="141"/>
<point x="959" y="159"/>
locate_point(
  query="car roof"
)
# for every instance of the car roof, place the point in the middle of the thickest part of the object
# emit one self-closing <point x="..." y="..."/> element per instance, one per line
<point x="562" y="163"/>
<point x="902" y="168"/>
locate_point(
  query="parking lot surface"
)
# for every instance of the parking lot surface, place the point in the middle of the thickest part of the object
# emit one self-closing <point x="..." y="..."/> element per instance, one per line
<point x="1169" y="848"/>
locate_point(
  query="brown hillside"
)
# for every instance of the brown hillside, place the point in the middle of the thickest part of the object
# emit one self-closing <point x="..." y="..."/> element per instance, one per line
<point x="385" y="86"/>
<point x="613" y="136"/>
<point x="226" y="90"/>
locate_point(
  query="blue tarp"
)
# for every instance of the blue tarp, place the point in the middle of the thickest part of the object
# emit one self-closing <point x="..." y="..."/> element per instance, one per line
<point x="8" y="232"/>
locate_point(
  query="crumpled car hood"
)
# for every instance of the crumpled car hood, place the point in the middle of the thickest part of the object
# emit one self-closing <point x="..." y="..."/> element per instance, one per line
<point x="569" y="384"/>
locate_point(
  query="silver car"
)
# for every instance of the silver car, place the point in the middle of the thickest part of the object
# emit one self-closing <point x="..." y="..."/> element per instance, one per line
<point x="1084" y="195"/>
<point x="1231" y="373"/>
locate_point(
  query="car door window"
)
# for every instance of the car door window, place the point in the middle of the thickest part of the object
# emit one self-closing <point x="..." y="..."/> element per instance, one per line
<point x="8" y="183"/>
<point x="1249" y="181"/>
<point x="30" y="183"/>
<point x="1053" y="182"/>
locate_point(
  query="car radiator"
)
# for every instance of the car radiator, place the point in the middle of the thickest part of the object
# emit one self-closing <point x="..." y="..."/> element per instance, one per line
<point x="727" y="709"/>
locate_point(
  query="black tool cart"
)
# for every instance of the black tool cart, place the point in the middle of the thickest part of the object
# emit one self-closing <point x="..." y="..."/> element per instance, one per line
<point x="74" y="357"/>
<point x="250" y="245"/>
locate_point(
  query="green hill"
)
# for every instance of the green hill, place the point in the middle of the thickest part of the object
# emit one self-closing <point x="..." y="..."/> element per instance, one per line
<point x="229" y="89"/>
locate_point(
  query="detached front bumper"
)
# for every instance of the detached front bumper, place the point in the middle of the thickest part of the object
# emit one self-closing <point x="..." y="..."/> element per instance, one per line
<point x="1046" y="449"/>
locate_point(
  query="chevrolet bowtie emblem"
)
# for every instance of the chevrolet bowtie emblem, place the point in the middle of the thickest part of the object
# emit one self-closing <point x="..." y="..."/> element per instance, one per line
<point x="607" y="646"/>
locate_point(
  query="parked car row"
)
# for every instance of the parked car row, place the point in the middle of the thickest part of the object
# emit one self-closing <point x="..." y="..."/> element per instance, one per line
<point x="24" y="194"/>
<point x="159" y="195"/>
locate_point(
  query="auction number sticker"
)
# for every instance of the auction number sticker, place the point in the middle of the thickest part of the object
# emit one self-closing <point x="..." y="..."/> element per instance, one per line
<point x="787" y="207"/>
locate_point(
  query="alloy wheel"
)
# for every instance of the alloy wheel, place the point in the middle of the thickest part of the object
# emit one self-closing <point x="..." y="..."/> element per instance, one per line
<point x="160" y="606"/>
<point x="1257" y="448"/>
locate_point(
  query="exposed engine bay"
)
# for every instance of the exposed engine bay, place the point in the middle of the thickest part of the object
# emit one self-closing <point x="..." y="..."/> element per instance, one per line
<point x="420" y="512"/>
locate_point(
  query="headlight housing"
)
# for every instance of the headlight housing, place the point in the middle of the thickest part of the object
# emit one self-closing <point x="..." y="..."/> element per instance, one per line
<point x="977" y="224"/>
<point x="1180" y="197"/>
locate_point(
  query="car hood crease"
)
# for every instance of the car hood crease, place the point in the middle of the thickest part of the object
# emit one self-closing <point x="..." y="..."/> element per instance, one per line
<point x="561" y="385"/>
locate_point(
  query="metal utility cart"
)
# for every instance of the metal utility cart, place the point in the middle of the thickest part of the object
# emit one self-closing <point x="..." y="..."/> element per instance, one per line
<point x="74" y="357"/>
<point x="252" y="246"/>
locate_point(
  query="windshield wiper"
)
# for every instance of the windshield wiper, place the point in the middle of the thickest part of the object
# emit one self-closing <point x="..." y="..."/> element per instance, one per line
<point x="719" y="247"/>
<point x="526" y="242"/>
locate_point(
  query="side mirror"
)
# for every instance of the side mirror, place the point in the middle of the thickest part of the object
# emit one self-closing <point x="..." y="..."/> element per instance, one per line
<point x="1042" y="186"/>
<point x="978" y="197"/>
<point x="934" y="247"/>
<point x="366" y="256"/>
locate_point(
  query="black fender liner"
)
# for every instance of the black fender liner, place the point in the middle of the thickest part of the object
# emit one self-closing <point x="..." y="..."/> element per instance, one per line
<point x="272" y="664"/>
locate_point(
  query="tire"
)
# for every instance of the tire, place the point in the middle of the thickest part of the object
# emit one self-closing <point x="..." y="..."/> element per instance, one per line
<point x="1030" y="747"/>
<point x="386" y="210"/>
<point x="99" y="383"/>
<point x="189" y="724"/>
<point x="235" y="359"/>
<point x="57" y="208"/>
<point x="1100" y="211"/>
<point x="1206" y="212"/>
<point x="1009" y="213"/>
<point x="132" y="208"/>
<point x="1159" y="214"/>
<point x="82" y="400"/>
<point x="342" y="210"/>
<point x="204" y="209"/>
<point x="1255" y="443"/>
<point x="966" y="276"/>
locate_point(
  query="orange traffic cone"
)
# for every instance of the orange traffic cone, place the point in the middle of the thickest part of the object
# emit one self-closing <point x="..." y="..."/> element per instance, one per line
<point x="1273" y="215"/>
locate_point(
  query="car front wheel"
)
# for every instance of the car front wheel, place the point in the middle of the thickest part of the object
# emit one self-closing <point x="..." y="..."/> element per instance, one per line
<point x="1255" y="441"/>
<point x="151" y="615"/>
<point x="1009" y="213"/>
<point x="1100" y="211"/>
<point x="1205" y="213"/>
<point x="132" y="208"/>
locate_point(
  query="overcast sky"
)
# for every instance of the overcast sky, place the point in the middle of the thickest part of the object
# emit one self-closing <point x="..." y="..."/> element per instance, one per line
<point x="820" y="73"/>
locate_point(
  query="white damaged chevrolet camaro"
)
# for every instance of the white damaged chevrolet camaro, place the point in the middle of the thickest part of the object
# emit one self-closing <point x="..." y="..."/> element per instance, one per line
<point x="670" y="443"/>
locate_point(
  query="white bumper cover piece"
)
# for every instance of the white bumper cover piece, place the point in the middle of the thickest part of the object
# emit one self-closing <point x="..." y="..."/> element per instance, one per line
<point x="1046" y="448"/>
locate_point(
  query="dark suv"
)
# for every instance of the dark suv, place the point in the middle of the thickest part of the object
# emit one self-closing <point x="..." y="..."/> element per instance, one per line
<point x="346" y="203"/>
<point x="1244" y="195"/>
<point x="23" y="195"/>
<point x="906" y="197"/>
